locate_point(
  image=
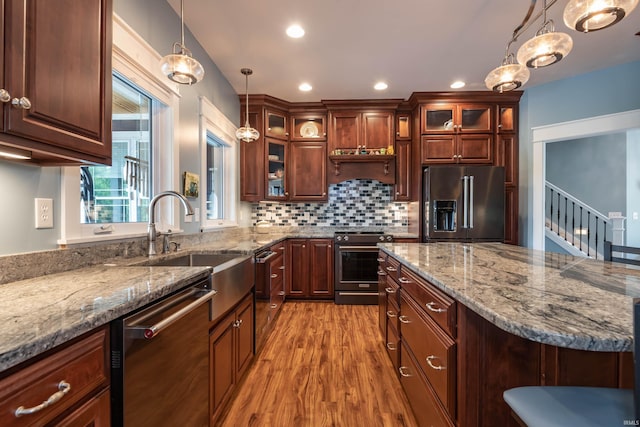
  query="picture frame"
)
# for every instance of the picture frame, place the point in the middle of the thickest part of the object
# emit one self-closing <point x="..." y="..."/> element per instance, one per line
<point x="191" y="184"/>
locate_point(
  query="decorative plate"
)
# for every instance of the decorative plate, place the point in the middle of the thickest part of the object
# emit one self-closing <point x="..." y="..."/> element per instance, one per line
<point x="309" y="130"/>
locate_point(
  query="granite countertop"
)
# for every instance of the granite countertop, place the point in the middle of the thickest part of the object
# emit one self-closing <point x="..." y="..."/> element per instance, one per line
<point x="546" y="297"/>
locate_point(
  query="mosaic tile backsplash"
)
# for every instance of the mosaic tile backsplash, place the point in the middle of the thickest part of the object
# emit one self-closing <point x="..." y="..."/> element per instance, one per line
<point x="357" y="202"/>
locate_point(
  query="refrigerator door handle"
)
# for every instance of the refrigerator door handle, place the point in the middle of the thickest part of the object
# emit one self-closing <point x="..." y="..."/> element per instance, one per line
<point x="465" y="199"/>
<point x="471" y="206"/>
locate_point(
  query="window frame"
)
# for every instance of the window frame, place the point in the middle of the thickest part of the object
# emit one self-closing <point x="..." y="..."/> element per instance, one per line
<point x="135" y="60"/>
<point x="213" y="121"/>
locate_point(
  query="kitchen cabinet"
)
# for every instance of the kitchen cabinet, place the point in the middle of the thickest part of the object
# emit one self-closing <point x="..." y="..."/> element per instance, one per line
<point x="276" y="122"/>
<point x="442" y="118"/>
<point x="403" y="126"/>
<point x="308" y="126"/>
<point x="277" y="270"/>
<point x="370" y="130"/>
<point x="402" y="186"/>
<point x="252" y="162"/>
<point x="462" y="149"/>
<point x="77" y="373"/>
<point x="308" y="171"/>
<point x="309" y="268"/>
<point x="231" y="351"/>
<point x="57" y="80"/>
<point x="507" y="156"/>
<point x="276" y="160"/>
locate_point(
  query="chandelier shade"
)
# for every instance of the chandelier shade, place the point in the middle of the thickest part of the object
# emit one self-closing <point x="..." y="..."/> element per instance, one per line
<point x="507" y="77"/>
<point x="180" y="66"/>
<point x="593" y="15"/>
<point x="546" y="48"/>
<point x="246" y="133"/>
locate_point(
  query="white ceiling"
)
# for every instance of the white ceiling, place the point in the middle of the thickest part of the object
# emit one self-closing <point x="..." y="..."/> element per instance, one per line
<point x="413" y="45"/>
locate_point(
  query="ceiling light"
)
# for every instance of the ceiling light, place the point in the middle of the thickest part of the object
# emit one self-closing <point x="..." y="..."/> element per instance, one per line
<point x="14" y="153"/>
<point x="295" y="31"/>
<point x="593" y="15"/>
<point x="458" y="84"/>
<point x="380" y="86"/>
<point x="247" y="133"/>
<point x="305" y="87"/>
<point x="509" y="76"/>
<point x="180" y="66"/>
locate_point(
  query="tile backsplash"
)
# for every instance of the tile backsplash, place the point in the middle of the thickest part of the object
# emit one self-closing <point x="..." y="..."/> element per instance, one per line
<point x="357" y="202"/>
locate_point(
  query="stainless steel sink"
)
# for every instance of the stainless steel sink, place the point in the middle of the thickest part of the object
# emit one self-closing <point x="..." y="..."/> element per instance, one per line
<point x="216" y="261"/>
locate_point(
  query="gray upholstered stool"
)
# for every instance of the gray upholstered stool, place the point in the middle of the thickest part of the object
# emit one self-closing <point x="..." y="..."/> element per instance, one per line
<point x="551" y="406"/>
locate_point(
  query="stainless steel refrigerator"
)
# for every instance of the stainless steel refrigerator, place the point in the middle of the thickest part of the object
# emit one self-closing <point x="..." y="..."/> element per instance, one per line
<point x="463" y="203"/>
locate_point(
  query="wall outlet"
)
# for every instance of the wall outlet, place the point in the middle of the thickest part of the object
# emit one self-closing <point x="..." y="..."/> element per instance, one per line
<point x="196" y="216"/>
<point x="44" y="213"/>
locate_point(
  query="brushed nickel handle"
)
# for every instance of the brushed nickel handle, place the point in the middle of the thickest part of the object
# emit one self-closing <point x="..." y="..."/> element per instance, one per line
<point x="324" y="194"/>
<point x="402" y="370"/>
<point x="286" y="193"/>
<point x="63" y="388"/>
<point x="380" y="259"/>
<point x="430" y="306"/>
<point x="304" y="246"/>
<point x="281" y="248"/>
<point x="23" y="103"/>
<point x="389" y="268"/>
<point x="404" y="280"/>
<point x="5" y="96"/>
<point x="391" y="347"/>
<point x="281" y="267"/>
<point x="436" y="367"/>
<point x="390" y="290"/>
<point x="237" y="323"/>
<point x="281" y="293"/>
<point x="381" y="273"/>
<point x="404" y="319"/>
<point x="274" y="276"/>
<point x="391" y="314"/>
<point x="397" y="193"/>
<point x="274" y="306"/>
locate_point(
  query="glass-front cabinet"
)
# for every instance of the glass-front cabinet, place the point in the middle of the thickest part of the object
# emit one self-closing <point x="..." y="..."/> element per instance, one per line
<point x="276" y="124"/>
<point x="276" y="170"/>
<point x="455" y="118"/>
<point x="308" y="127"/>
<point x="506" y="118"/>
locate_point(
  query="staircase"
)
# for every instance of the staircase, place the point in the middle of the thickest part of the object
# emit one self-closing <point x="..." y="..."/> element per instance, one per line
<point x="573" y="225"/>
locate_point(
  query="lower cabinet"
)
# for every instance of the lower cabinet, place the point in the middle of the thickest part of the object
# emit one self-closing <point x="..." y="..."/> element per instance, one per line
<point x="75" y="381"/>
<point x="231" y="351"/>
<point x="309" y="268"/>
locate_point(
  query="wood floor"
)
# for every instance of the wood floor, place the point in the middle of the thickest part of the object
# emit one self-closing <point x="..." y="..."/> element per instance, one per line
<point x="323" y="365"/>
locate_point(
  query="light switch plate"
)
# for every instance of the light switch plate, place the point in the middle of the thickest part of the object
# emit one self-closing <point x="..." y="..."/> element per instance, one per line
<point x="44" y="213"/>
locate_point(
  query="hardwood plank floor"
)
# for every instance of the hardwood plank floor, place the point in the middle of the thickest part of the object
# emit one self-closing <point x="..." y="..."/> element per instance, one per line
<point x="323" y="365"/>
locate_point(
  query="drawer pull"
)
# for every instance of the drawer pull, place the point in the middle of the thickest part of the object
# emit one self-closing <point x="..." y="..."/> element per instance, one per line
<point x="402" y="370"/>
<point x="430" y="306"/>
<point x="390" y="291"/>
<point x="281" y="293"/>
<point x="389" y="268"/>
<point x="63" y="388"/>
<point x="404" y="319"/>
<point x="281" y="267"/>
<point x="274" y="306"/>
<point x="391" y="314"/>
<point x="380" y="260"/>
<point x="274" y="276"/>
<point x="404" y="280"/>
<point x="437" y="368"/>
<point x="381" y="273"/>
<point x="391" y="347"/>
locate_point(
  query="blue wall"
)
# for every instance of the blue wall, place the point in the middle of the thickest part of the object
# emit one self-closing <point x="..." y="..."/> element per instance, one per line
<point x="607" y="91"/>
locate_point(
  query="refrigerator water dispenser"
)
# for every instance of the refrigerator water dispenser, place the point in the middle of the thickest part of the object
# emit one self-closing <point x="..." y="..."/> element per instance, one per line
<point x="445" y="215"/>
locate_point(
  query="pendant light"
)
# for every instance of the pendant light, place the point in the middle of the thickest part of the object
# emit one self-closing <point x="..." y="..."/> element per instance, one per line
<point x="247" y="133"/>
<point x="180" y="66"/>
<point x="594" y="15"/>
<point x="547" y="47"/>
<point x="509" y="76"/>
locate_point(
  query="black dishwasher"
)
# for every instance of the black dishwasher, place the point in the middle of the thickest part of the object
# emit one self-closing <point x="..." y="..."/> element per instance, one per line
<point x="160" y="361"/>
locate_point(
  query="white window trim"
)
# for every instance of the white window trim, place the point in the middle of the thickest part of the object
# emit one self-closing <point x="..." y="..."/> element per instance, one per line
<point x="214" y="121"/>
<point x="137" y="61"/>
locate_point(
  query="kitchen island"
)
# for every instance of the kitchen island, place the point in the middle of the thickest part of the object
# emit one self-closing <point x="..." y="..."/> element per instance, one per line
<point x="516" y="316"/>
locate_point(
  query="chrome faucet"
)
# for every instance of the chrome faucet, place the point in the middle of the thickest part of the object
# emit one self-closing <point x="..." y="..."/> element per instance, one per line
<point x="151" y="231"/>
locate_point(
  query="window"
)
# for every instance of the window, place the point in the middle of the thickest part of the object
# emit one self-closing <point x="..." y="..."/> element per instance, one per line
<point x="219" y="165"/>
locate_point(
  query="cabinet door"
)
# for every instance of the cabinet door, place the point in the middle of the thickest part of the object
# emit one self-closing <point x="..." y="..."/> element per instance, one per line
<point x="344" y="130"/>
<point x="403" y="171"/>
<point x="276" y="124"/>
<point x="308" y="171"/>
<point x="474" y="118"/>
<point x="244" y="331"/>
<point x="506" y="118"/>
<point x="276" y="157"/>
<point x="508" y="157"/>
<point x="403" y="126"/>
<point x="377" y="129"/>
<point x="58" y="56"/>
<point x="511" y="215"/>
<point x="475" y="148"/>
<point x="95" y="413"/>
<point x="438" y="149"/>
<point x="437" y="118"/>
<point x="308" y="127"/>
<point x="222" y="375"/>
<point x="321" y="268"/>
<point x="297" y="268"/>
<point x="252" y="164"/>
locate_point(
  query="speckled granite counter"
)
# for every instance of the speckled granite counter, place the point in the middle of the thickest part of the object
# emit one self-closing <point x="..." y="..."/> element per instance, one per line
<point x="542" y="296"/>
<point x="41" y="313"/>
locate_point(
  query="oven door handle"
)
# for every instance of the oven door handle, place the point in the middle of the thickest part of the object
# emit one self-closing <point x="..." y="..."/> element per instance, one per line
<point x="370" y="248"/>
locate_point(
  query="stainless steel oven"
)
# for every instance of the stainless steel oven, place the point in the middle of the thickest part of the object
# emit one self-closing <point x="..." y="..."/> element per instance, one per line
<point x="356" y="266"/>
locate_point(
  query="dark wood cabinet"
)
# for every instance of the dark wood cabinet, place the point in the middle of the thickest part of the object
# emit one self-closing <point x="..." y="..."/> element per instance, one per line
<point x="308" y="171"/>
<point x="231" y="351"/>
<point x="463" y="149"/>
<point x="403" y="126"/>
<point x="252" y="162"/>
<point x="309" y="268"/>
<point x="308" y="126"/>
<point x="403" y="171"/>
<point x="456" y="118"/>
<point x="57" y="75"/>
<point x="370" y="130"/>
<point x="276" y="124"/>
<point x="276" y="161"/>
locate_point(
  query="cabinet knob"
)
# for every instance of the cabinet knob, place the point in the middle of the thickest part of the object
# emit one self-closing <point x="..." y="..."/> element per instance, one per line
<point x="23" y="103"/>
<point x="397" y="193"/>
<point x="274" y="276"/>
<point x="324" y="194"/>
<point x="4" y="95"/>
<point x="286" y="193"/>
<point x="397" y="133"/>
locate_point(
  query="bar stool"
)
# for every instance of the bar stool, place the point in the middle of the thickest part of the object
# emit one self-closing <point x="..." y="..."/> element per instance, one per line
<point x="550" y="406"/>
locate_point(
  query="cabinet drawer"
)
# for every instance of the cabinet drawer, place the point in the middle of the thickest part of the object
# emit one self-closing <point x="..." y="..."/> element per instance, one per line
<point x="393" y="268"/>
<point x="392" y="345"/>
<point x="392" y="289"/>
<point x="435" y="303"/>
<point x="82" y="366"/>
<point x="392" y="316"/>
<point x="434" y="351"/>
<point x="425" y="405"/>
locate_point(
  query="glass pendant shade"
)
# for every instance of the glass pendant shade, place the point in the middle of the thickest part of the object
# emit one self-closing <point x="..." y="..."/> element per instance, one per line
<point x="182" y="68"/>
<point x="593" y="15"/>
<point x="507" y="77"/>
<point x="545" y="49"/>
<point x="246" y="133"/>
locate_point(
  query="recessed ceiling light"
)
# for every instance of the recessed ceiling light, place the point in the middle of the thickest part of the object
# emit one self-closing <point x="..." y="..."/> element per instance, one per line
<point x="380" y="86"/>
<point x="305" y="87"/>
<point x="295" y="31"/>
<point x="457" y="84"/>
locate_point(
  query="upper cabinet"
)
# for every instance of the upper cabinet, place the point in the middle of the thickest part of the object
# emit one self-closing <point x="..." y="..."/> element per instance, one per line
<point x="276" y="124"/>
<point x="360" y="130"/>
<point x="403" y="126"/>
<point x="56" y="80"/>
<point x="308" y="127"/>
<point x="456" y="118"/>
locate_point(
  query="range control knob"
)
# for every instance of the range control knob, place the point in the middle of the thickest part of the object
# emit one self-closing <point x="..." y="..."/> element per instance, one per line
<point x="338" y="238"/>
<point x="346" y="238"/>
<point x="389" y="238"/>
<point x="381" y="238"/>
